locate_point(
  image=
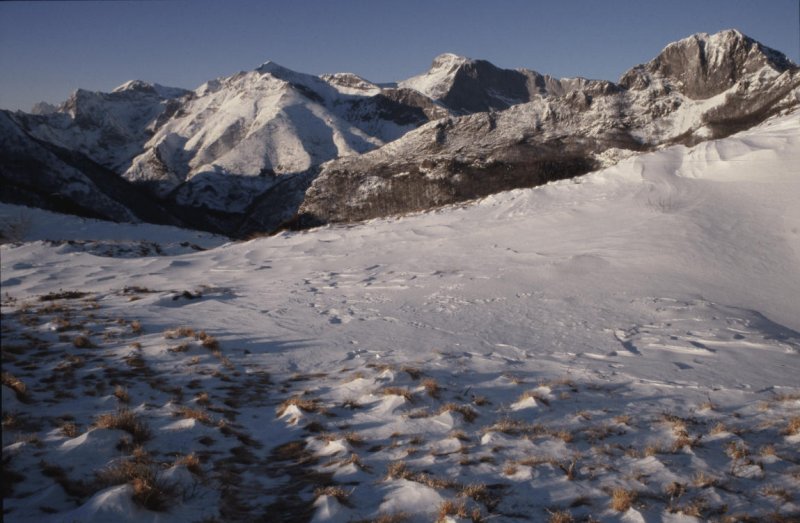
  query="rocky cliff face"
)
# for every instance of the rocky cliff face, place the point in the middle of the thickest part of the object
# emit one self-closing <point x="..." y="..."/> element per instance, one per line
<point x="243" y="154"/>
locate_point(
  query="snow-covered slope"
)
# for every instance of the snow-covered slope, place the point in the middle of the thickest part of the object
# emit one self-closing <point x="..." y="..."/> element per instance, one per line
<point x="623" y="346"/>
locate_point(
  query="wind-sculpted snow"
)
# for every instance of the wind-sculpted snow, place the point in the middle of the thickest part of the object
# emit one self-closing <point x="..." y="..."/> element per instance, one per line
<point x="622" y="346"/>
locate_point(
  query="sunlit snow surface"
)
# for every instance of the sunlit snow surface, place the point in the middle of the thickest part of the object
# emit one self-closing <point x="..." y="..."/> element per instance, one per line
<point x="589" y="323"/>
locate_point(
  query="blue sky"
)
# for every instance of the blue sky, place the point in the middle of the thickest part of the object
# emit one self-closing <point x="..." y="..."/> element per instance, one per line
<point x="49" y="49"/>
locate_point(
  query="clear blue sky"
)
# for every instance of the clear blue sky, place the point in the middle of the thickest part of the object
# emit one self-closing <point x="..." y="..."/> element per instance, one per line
<point x="49" y="49"/>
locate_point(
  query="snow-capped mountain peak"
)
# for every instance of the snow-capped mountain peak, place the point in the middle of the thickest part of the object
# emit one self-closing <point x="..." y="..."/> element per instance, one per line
<point x="159" y="90"/>
<point x="701" y="66"/>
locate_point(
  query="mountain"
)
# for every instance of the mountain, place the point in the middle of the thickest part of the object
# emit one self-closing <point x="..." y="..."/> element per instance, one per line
<point x="247" y="153"/>
<point x="110" y="128"/>
<point x="37" y="173"/>
<point x="466" y="86"/>
<point x="699" y="88"/>
<point x="234" y="138"/>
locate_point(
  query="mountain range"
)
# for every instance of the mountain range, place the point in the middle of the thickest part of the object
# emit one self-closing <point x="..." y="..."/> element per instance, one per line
<point x="272" y="147"/>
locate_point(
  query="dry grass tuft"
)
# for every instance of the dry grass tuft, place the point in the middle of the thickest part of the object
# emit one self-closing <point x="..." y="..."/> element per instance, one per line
<point x="623" y="419"/>
<point x="534" y="395"/>
<point x="180" y="332"/>
<point x="510" y="469"/>
<point x="560" y="516"/>
<point x="398" y="470"/>
<point x="305" y="404"/>
<point x="126" y="420"/>
<point x="451" y="508"/>
<point x="395" y="517"/>
<point x="121" y="393"/>
<point x="792" y="426"/>
<point x="675" y="490"/>
<point x="149" y="490"/>
<point x="477" y="491"/>
<point x="192" y="463"/>
<point x="568" y="468"/>
<point x="413" y="372"/>
<point x="17" y="385"/>
<point x="136" y="327"/>
<point x="703" y="480"/>
<point x="69" y="429"/>
<point x="737" y="450"/>
<point x="467" y="412"/>
<point x="431" y="387"/>
<point x="202" y="399"/>
<point x="398" y="391"/>
<point x="82" y="342"/>
<point x="508" y="426"/>
<point x="334" y="491"/>
<point x="767" y="450"/>
<point x="622" y="500"/>
<point x="181" y="347"/>
<point x="719" y="428"/>
<point x="197" y="414"/>
<point x="208" y="341"/>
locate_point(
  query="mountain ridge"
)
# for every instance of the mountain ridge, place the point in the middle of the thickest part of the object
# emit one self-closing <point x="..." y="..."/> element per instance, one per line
<point x="271" y="145"/>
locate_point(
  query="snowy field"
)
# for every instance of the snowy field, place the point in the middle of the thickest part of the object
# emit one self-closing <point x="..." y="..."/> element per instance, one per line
<point x="624" y="346"/>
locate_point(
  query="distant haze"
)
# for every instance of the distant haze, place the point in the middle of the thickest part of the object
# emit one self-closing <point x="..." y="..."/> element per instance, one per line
<point x="49" y="49"/>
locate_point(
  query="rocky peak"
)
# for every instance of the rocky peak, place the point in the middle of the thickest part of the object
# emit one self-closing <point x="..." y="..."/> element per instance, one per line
<point x="465" y="85"/>
<point x="349" y="83"/>
<point x="702" y="65"/>
<point x="43" y="108"/>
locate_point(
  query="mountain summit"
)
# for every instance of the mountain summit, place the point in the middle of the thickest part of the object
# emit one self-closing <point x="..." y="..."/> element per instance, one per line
<point x="245" y="153"/>
<point x="702" y="65"/>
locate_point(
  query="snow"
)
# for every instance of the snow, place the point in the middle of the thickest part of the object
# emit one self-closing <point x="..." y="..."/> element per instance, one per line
<point x="438" y="80"/>
<point x="523" y="355"/>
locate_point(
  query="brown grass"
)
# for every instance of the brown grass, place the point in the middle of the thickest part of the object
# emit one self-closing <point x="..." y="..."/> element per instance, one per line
<point x="17" y="385"/>
<point x="477" y="491"/>
<point x="398" y="470"/>
<point x="467" y="412"/>
<point x="180" y="332"/>
<point x="121" y="393"/>
<point x="202" y="399"/>
<point x="197" y="414"/>
<point x="622" y="499"/>
<point x="181" y="347"/>
<point x="792" y="426"/>
<point x="451" y="508"/>
<point x="305" y="404"/>
<point x="192" y="463"/>
<point x="82" y="342"/>
<point x="208" y="341"/>
<point x="413" y="372"/>
<point x="126" y="420"/>
<point x="398" y="391"/>
<point x="334" y="491"/>
<point x="149" y="490"/>
<point x="560" y="516"/>
<point x="69" y="429"/>
<point x="536" y="396"/>
<point x="431" y="387"/>
<point x="737" y="450"/>
<point x="703" y="480"/>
